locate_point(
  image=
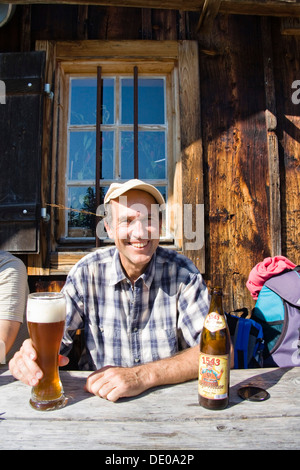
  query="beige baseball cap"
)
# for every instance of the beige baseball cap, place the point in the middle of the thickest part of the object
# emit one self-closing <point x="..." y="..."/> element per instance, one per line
<point x="117" y="189"/>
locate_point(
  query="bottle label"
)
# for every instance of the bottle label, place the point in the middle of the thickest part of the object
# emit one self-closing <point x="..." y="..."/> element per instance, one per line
<point x="213" y="376"/>
<point x="214" y="321"/>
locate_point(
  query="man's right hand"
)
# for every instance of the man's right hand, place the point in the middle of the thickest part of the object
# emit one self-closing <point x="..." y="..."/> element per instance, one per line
<point x="23" y="365"/>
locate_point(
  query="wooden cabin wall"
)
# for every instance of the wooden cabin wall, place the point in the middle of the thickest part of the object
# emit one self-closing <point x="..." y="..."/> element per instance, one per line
<point x="287" y="70"/>
<point x="235" y="150"/>
<point x="246" y="66"/>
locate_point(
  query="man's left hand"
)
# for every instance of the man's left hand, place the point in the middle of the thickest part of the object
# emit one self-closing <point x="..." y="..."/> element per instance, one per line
<point x="113" y="383"/>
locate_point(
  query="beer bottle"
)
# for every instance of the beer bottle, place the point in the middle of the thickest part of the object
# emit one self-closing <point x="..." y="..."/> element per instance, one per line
<point x="214" y="359"/>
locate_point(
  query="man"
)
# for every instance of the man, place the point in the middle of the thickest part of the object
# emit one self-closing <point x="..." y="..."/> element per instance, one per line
<point x="141" y="306"/>
<point x="13" y="297"/>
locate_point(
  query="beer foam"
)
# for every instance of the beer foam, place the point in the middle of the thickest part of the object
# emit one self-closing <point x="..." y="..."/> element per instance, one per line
<point x="46" y="310"/>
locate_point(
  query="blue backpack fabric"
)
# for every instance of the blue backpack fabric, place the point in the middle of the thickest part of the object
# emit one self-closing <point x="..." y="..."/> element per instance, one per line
<point x="277" y="310"/>
<point x="247" y="339"/>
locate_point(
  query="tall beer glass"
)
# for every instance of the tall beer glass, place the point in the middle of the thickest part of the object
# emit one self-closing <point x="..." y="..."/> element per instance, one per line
<point x="46" y="314"/>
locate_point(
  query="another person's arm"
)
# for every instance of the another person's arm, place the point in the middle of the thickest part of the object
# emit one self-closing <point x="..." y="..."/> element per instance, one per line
<point x="13" y="297"/>
<point x="8" y="332"/>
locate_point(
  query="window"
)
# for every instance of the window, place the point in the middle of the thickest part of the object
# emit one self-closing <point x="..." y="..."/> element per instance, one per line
<point x="149" y="126"/>
<point x="117" y="141"/>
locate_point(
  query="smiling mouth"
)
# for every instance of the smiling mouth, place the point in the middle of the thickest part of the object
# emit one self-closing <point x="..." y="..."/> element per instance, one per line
<point x="139" y="244"/>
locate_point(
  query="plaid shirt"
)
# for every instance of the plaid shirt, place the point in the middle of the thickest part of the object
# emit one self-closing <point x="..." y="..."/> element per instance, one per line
<point x="126" y="326"/>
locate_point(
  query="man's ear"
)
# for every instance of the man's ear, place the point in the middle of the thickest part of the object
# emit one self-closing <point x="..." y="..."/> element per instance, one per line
<point x="109" y="230"/>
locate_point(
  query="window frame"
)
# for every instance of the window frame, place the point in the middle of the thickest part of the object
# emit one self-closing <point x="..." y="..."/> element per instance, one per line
<point x="118" y="127"/>
<point x="179" y="59"/>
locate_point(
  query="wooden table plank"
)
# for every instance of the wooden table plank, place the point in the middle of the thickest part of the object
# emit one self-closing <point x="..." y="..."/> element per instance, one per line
<point x="161" y="419"/>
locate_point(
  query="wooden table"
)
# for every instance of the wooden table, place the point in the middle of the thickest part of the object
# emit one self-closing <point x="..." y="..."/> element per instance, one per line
<point x="162" y="419"/>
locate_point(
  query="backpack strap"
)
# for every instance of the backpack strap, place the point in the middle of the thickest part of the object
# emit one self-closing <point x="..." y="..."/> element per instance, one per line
<point x="247" y="339"/>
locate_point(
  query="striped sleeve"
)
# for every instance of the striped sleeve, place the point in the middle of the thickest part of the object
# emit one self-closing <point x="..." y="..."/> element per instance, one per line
<point x="13" y="289"/>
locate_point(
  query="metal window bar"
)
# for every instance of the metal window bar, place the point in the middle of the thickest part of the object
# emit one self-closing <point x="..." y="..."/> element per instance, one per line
<point x="99" y="136"/>
<point x="135" y="122"/>
<point x="98" y="147"/>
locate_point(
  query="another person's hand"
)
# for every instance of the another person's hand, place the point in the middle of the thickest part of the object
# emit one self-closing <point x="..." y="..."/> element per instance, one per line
<point x="113" y="383"/>
<point x="23" y="365"/>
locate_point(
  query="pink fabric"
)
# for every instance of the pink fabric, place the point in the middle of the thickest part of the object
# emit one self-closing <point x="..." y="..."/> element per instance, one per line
<point x="264" y="270"/>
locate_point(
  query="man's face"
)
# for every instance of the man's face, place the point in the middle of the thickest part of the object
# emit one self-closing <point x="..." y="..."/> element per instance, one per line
<point x="135" y="229"/>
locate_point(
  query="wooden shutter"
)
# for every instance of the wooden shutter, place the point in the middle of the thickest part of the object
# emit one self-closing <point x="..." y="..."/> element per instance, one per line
<point x="21" y="76"/>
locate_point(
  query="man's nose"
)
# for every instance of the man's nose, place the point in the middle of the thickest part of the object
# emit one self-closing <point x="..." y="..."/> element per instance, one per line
<point x="138" y="229"/>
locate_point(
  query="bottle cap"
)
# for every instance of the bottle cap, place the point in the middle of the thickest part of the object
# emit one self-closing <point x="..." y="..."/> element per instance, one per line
<point x="253" y="393"/>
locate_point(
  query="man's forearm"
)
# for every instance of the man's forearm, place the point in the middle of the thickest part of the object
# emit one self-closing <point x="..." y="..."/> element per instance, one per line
<point x="182" y="367"/>
<point x="176" y="369"/>
<point x="113" y="383"/>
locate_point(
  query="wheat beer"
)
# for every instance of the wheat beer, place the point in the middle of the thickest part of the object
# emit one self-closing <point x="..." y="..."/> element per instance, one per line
<point x="46" y="313"/>
<point x="214" y="359"/>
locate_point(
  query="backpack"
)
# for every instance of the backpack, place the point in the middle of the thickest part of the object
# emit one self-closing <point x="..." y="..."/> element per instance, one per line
<point x="247" y="339"/>
<point x="277" y="310"/>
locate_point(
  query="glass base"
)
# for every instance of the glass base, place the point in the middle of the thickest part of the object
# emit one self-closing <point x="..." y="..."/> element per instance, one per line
<point x="49" y="405"/>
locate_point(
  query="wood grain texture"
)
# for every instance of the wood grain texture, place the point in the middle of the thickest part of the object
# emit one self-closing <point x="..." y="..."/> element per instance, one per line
<point x="239" y="7"/>
<point x="191" y="148"/>
<point x="164" y="418"/>
<point x="286" y="71"/>
<point x="235" y="157"/>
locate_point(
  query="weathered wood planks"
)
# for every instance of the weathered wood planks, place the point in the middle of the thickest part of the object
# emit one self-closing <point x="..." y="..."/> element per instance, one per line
<point x="161" y="419"/>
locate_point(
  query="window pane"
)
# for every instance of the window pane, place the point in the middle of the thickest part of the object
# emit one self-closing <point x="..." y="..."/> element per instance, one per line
<point x="82" y="151"/>
<point x="151" y="149"/>
<point x="83" y="101"/>
<point x="127" y="158"/>
<point x="152" y="160"/>
<point x="108" y="109"/>
<point x="127" y="101"/>
<point x="81" y="220"/>
<point x="115" y="130"/>
<point x="151" y="101"/>
<point x="163" y="191"/>
<point x="151" y="109"/>
<point x="108" y="155"/>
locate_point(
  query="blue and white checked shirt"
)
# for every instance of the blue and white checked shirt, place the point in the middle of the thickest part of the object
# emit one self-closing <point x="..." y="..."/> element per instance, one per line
<point x="126" y="326"/>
